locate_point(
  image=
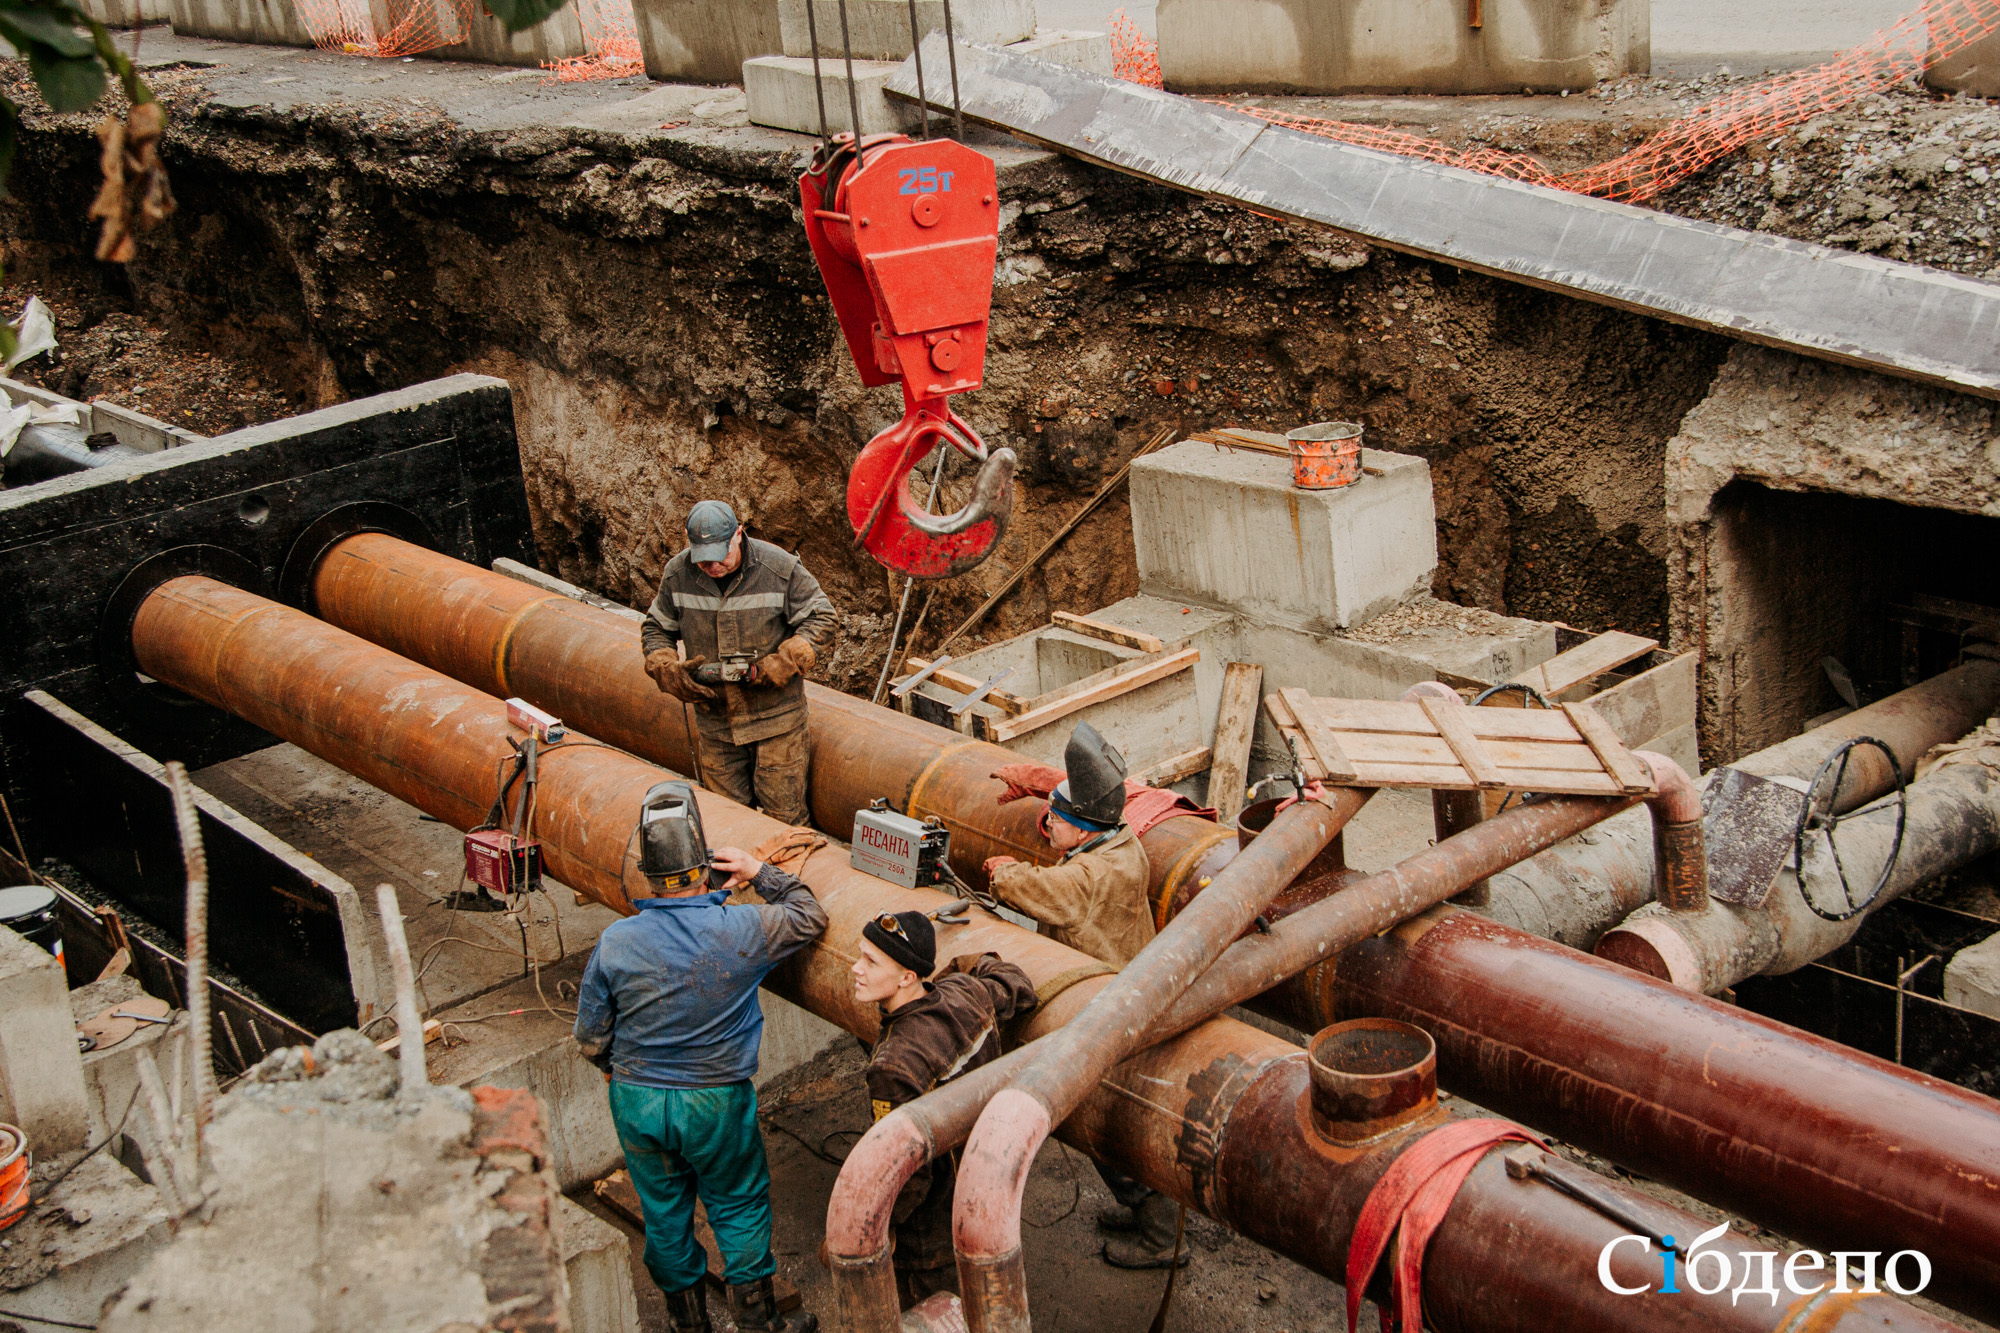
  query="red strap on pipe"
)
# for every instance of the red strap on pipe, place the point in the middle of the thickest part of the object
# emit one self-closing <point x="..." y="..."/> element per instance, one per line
<point x="1145" y="807"/>
<point x="1414" y="1194"/>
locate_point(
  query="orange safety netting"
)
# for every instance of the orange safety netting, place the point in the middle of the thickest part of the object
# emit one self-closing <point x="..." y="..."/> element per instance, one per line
<point x="1713" y="130"/>
<point x="411" y="27"/>
<point x="611" y="35"/>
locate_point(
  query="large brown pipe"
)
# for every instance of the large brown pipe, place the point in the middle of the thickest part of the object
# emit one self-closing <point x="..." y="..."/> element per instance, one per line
<point x="1217" y="1117"/>
<point x="582" y="664"/>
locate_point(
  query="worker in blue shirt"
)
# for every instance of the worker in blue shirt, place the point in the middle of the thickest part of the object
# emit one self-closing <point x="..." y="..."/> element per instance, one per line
<point x="668" y="1009"/>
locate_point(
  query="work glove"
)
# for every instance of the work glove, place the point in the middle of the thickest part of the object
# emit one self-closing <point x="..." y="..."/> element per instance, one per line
<point x="794" y="658"/>
<point x="676" y="677"/>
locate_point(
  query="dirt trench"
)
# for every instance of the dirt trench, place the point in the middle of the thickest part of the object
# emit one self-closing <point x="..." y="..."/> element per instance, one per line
<point x="654" y="305"/>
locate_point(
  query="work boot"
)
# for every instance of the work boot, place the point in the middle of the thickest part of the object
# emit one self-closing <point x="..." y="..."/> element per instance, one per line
<point x="687" y="1309"/>
<point x="1117" y="1217"/>
<point x="1153" y="1245"/>
<point x="755" y="1307"/>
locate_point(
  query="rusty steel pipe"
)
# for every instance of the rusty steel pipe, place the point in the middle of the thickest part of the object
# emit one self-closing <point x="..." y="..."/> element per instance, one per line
<point x="1504" y="1259"/>
<point x="1833" y="1148"/>
<point x="1000" y="1152"/>
<point x="509" y="638"/>
<point x="886" y="1157"/>
<point x="570" y="659"/>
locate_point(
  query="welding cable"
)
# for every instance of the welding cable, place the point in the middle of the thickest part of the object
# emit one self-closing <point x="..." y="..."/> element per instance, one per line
<point x="42" y="1319"/>
<point x="1527" y="692"/>
<point x="48" y="1187"/>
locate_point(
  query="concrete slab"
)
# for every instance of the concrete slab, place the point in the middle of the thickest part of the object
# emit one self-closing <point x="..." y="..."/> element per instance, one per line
<point x="265" y="22"/>
<point x="93" y="1234"/>
<point x="705" y="41"/>
<point x="597" y="1258"/>
<point x="1079" y="48"/>
<point x="128" y="13"/>
<point x="780" y="92"/>
<point x="487" y="41"/>
<point x="1345" y="46"/>
<point x="1227" y="529"/>
<point x="1972" y="978"/>
<point x="881" y="29"/>
<point x="41" y="1077"/>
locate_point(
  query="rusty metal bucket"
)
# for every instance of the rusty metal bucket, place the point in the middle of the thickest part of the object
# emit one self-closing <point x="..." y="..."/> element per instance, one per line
<point x="1325" y="455"/>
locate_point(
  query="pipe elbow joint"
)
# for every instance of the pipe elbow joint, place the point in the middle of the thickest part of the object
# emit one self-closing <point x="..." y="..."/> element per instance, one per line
<point x="859" y="1214"/>
<point x="993" y="1174"/>
<point x="1679" y="851"/>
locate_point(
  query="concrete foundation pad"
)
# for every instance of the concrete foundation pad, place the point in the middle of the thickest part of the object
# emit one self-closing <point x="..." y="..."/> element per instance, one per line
<point x="1972" y="978"/>
<point x="1228" y="529"/>
<point x="880" y="29"/>
<point x="597" y="1259"/>
<point x="704" y="41"/>
<point x="780" y="93"/>
<point x="77" y="1248"/>
<point x="41" y="1076"/>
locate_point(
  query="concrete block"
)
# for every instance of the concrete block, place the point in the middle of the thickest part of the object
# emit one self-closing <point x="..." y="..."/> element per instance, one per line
<point x="1974" y="70"/>
<point x="487" y="41"/>
<point x="779" y="93"/>
<point x="94" y="1233"/>
<point x="1227" y="529"/>
<point x="41" y="1075"/>
<point x="1409" y="46"/>
<point x="704" y="41"/>
<point x="127" y="13"/>
<point x="268" y="22"/>
<point x="1087" y="51"/>
<point x="880" y="29"/>
<point x="1972" y="978"/>
<point x="597" y="1259"/>
<point x="1216" y="633"/>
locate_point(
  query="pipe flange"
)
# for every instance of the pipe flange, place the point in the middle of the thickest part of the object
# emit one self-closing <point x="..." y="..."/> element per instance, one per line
<point x="335" y="526"/>
<point x="132" y="689"/>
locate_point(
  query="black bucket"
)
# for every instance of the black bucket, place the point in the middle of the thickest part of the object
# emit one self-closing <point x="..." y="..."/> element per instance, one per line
<point x="29" y="910"/>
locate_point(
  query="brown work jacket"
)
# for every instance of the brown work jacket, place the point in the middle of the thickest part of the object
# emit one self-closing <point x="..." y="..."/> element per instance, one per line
<point x="953" y="1028"/>
<point x="769" y="598"/>
<point x="1095" y="900"/>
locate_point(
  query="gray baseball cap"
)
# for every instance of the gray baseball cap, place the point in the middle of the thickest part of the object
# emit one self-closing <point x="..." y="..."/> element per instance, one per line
<point x="710" y="526"/>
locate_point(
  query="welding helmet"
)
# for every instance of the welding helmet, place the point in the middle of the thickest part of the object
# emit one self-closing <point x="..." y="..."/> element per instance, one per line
<point x="673" y="851"/>
<point x="1094" y="790"/>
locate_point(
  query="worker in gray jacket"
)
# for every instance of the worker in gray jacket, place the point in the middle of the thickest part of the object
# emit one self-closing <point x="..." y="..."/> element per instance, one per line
<point x="751" y="609"/>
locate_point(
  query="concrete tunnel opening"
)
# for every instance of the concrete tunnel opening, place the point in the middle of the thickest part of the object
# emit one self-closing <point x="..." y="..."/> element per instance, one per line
<point x="502" y="351"/>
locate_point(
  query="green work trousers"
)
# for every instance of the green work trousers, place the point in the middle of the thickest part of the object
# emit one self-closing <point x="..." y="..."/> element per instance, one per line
<point x="681" y="1143"/>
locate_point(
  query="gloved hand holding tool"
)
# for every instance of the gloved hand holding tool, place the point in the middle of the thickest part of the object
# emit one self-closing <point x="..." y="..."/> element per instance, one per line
<point x="676" y="677"/>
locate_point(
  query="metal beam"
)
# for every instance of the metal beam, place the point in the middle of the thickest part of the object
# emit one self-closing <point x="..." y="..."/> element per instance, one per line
<point x="1899" y="319"/>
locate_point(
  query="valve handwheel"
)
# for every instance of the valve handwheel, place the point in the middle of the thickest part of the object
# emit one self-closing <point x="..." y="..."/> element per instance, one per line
<point x="906" y="233"/>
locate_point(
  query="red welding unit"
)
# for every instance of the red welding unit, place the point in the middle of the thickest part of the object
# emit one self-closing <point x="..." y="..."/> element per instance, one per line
<point x="501" y="863"/>
<point x="906" y="233"/>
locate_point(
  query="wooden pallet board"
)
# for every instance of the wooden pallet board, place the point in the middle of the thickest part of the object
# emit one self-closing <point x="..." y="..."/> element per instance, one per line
<point x="1448" y="747"/>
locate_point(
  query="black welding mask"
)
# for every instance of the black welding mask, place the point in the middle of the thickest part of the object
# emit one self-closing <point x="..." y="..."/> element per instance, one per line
<point x="1095" y="785"/>
<point x="673" y="851"/>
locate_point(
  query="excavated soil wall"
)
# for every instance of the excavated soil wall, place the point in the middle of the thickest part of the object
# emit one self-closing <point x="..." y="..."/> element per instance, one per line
<point x="658" y="313"/>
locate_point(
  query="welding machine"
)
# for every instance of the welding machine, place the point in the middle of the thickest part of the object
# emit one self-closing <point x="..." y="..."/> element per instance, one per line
<point x="895" y="847"/>
<point x="502" y="863"/>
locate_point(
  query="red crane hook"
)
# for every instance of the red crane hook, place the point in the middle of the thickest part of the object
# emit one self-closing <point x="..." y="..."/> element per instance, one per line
<point x="907" y="248"/>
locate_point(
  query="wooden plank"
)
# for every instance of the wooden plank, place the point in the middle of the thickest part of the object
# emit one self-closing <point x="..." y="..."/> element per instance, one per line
<point x="1513" y="724"/>
<point x="1387" y="747"/>
<point x="1319" y="737"/>
<point x="1632" y="775"/>
<point x="1587" y="661"/>
<point x="1235" y="727"/>
<point x="1288" y="727"/>
<point x="1449" y="719"/>
<point x="1654" y="703"/>
<point x="957" y="684"/>
<point x="1599" y="783"/>
<point x="1861" y="310"/>
<point x="1132" y="678"/>
<point x="1098" y="629"/>
<point x="1172" y="769"/>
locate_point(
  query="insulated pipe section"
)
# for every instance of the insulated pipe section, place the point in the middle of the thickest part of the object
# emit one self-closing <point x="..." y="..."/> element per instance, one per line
<point x="1954" y="819"/>
<point x="986" y="1211"/>
<point x="1831" y="1147"/>
<point x="1574" y="893"/>
<point x="1511" y="1255"/>
<point x="510" y="639"/>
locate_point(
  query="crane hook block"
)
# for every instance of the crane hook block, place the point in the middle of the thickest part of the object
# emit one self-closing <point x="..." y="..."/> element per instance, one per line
<point x="906" y="233"/>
